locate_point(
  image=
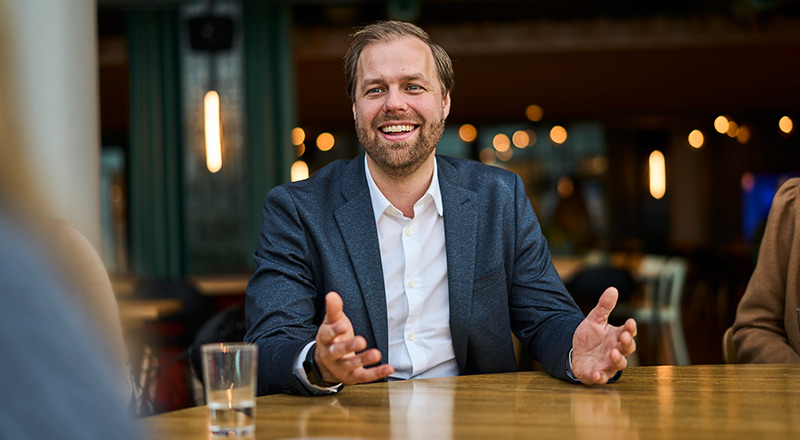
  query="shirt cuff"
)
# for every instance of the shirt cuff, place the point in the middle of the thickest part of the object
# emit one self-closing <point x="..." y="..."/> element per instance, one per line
<point x="570" y="374"/>
<point x="572" y="377"/>
<point x="300" y="373"/>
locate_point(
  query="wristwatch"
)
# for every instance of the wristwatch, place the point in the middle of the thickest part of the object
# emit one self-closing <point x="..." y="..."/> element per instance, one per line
<point x="312" y="370"/>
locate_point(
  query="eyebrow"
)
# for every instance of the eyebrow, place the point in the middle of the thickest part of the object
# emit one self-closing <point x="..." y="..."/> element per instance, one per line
<point x="404" y="78"/>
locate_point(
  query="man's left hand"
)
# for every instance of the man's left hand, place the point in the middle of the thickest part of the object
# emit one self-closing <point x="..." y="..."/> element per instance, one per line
<point x="598" y="348"/>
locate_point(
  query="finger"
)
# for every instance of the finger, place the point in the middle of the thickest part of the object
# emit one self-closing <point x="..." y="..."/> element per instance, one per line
<point x="351" y="369"/>
<point x="366" y="358"/>
<point x="333" y="308"/>
<point x="627" y="344"/>
<point x="620" y="364"/>
<point x="631" y="327"/>
<point x="364" y="375"/>
<point x="606" y="303"/>
<point x="325" y="335"/>
<point x="352" y="345"/>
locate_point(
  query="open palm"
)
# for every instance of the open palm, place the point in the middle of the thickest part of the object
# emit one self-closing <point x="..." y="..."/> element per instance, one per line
<point x="598" y="348"/>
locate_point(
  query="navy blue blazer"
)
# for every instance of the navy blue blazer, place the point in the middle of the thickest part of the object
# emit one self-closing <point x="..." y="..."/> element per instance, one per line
<point x="319" y="235"/>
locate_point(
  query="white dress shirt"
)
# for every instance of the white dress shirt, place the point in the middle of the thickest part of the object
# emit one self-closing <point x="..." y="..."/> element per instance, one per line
<point x="415" y="278"/>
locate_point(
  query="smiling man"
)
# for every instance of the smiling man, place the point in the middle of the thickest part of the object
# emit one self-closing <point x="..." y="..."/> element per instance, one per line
<point x="401" y="264"/>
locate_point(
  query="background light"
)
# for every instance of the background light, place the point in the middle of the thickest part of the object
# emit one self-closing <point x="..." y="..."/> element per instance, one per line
<point x="299" y="171"/>
<point x="467" y="132"/>
<point x="487" y="156"/>
<point x="534" y="113"/>
<point x="505" y="155"/>
<point x="213" y="131"/>
<point x="744" y="134"/>
<point x="748" y="182"/>
<point x="658" y="175"/>
<point x="696" y="138"/>
<point x="786" y="125"/>
<point x="733" y="129"/>
<point x="298" y="136"/>
<point x="500" y="142"/>
<point x="521" y="139"/>
<point x="531" y="137"/>
<point x="721" y="124"/>
<point x="325" y="141"/>
<point x="565" y="187"/>
<point x="558" y="134"/>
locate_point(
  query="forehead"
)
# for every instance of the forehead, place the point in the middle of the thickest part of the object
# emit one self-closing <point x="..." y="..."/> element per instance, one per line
<point x="404" y="56"/>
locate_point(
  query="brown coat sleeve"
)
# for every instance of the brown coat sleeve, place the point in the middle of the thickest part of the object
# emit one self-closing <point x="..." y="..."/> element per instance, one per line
<point x="766" y="329"/>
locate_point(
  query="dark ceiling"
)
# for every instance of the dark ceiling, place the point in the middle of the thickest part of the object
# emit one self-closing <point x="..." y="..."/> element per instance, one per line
<point x="575" y="58"/>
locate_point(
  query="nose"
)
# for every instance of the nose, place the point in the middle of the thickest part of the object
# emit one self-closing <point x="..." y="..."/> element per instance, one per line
<point x="395" y="101"/>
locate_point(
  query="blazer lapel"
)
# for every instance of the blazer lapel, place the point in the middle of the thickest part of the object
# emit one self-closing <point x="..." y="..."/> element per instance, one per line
<point x="357" y="225"/>
<point x="460" y="226"/>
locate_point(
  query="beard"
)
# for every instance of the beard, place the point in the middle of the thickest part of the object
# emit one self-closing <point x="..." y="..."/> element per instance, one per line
<point x="400" y="159"/>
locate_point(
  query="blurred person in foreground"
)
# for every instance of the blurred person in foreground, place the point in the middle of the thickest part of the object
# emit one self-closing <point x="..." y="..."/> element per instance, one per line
<point x="402" y="264"/>
<point x="767" y="325"/>
<point x="58" y="379"/>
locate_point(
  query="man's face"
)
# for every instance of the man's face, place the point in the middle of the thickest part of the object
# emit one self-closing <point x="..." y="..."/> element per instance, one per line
<point x="398" y="105"/>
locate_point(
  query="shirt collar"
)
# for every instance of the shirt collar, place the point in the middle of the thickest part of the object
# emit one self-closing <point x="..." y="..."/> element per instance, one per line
<point x="380" y="202"/>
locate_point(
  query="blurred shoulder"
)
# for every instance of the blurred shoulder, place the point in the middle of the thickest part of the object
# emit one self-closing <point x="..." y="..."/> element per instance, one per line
<point x="787" y="198"/>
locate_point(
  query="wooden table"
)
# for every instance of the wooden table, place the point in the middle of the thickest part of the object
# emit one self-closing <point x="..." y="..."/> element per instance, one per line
<point x="666" y="402"/>
<point x="220" y="285"/>
<point x="139" y="310"/>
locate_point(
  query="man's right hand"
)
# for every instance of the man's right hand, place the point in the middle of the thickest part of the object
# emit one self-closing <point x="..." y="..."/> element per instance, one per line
<point x="339" y="354"/>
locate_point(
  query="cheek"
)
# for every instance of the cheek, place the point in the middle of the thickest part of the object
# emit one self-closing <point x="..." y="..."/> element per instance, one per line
<point x="365" y="112"/>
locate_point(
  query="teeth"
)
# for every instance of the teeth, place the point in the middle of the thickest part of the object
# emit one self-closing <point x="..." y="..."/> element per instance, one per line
<point x="397" y="128"/>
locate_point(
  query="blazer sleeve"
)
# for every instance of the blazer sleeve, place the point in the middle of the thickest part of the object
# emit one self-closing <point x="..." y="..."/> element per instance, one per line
<point x="767" y="309"/>
<point x="544" y="315"/>
<point x="282" y="302"/>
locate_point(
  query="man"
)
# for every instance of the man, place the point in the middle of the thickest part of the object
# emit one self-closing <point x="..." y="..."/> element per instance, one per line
<point x="399" y="254"/>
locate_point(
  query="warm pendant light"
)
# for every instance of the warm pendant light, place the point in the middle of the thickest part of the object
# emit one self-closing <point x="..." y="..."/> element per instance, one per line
<point x="658" y="175"/>
<point x="211" y="34"/>
<point x="213" y="131"/>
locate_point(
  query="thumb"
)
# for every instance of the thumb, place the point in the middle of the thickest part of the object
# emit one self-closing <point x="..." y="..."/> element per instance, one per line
<point x="333" y="307"/>
<point x="606" y="303"/>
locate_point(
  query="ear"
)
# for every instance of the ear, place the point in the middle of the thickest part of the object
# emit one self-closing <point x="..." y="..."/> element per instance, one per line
<point x="446" y="106"/>
<point x="354" y="111"/>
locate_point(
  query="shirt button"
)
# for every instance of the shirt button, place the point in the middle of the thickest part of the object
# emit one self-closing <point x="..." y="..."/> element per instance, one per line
<point x="411" y="336"/>
<point x="409" y="232"/>
<point x="411" y="284"/>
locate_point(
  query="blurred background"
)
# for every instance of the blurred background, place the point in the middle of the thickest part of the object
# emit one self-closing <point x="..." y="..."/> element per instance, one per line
<point x="639" y="128"/>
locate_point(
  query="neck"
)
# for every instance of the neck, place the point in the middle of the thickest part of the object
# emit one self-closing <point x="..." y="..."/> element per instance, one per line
<point x="403" y="191"/>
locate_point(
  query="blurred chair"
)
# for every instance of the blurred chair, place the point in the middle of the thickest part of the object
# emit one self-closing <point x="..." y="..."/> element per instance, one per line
<point x="729" y="352"/>
<point x="165" y="382"/>
<point x="225" y="326"/>
<point x="588" y="284"/>
<point x="662" y="303"/>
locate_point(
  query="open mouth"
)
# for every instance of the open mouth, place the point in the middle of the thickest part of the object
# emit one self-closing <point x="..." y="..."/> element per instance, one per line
<point x="398" y="131"/>
<point x="389" y="129"/>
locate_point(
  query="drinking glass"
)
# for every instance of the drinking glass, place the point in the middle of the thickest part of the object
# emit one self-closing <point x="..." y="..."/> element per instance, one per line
<point x="229" y="380"/>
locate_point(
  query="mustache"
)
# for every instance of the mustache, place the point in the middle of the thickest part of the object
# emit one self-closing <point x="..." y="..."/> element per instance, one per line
<point x="409" y="117"/>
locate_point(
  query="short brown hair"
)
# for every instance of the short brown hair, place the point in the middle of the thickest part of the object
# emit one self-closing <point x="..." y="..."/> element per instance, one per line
<point x="386" y="31"/>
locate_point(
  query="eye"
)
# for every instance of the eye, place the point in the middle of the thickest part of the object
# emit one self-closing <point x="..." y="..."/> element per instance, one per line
<point x="374" y="91"/>
<point x="414" y="88"/>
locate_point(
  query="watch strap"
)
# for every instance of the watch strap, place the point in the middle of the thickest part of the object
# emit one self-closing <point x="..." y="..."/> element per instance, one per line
<point x="312" y="370"/>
